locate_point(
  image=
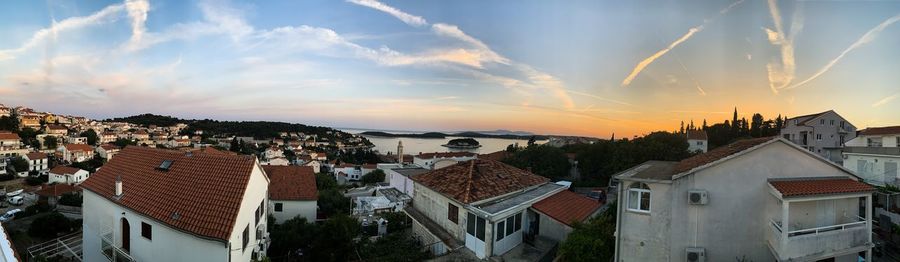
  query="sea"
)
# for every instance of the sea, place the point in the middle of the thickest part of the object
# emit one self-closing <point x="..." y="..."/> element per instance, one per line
<point x="413" y="146"/>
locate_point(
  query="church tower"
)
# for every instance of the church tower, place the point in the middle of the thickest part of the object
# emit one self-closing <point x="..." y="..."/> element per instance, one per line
<point x="400" y="152"/>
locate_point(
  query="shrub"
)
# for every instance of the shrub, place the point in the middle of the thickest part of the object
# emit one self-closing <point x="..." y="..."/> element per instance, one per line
<point x="50" y="226"/>
<point x="70" y="199"/>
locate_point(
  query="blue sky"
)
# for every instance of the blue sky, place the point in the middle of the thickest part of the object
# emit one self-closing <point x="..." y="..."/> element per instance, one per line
<point x="573" y="67"/>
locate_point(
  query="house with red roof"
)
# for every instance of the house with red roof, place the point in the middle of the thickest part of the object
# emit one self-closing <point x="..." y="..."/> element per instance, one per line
<point x="67" y="175"/>
<point x="107" y="151"/>
<point x="11" y="144"/>
<point x="762" y="199"/>
<point x="76" y="152"/>
<point x="149" y="204"/>
<point x="874" y="155"/>
<point x="697" y="141"/>
<point x="37" y="161"/>
<point x="483" y="209"/>
<point x="292" y="192"/>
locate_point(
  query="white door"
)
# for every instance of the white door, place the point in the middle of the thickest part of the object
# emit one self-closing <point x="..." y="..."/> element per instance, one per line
<point x="824" y="213"/>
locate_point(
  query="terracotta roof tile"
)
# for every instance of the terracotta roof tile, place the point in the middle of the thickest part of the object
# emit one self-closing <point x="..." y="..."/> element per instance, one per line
<point x="819" y="186"/>
<point x="79" y="147"/>
<point x="36" y="155"/>
<point x="478" y="179"/>
<point x="567" y="207"/>
<point x="9" y="136"/>
<point x="696" y="135"/>
<point x="445" y="155"/>
<point x="496" y="156"/>
<point x="291" y="182"/>
<point x="874" y="131"/>
<point x="718" y="153"/>
<point x="205" y="189"/>
<point x="57" y="190"/>
<point x="64" y="170"/>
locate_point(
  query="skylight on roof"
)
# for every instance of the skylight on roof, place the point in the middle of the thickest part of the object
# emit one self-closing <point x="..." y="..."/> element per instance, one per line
<point x="166" y="164"/>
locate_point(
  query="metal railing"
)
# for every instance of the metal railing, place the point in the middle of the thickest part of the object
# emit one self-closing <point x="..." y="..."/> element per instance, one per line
<point x="111" y="251"/>
<point x="817" y="230"/>
<point x="69" y="246"/>
<point x="894" y="151"/>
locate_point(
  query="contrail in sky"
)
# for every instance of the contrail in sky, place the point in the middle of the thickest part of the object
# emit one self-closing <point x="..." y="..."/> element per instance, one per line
<point x="649" y="60"/>
<point x="865" y="39"/>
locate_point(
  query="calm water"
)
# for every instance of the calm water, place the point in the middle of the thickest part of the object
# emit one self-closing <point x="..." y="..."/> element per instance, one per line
<point x="413" y="146"/>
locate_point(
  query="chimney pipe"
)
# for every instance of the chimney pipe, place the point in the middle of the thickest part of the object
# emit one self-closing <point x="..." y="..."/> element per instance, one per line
<point x="119" y="186"/>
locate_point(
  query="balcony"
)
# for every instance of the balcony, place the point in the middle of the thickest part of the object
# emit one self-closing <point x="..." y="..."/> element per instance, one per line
<point x="113" y="252"/>
<point x="803" y="244"/>
<point x="892" y="151"/>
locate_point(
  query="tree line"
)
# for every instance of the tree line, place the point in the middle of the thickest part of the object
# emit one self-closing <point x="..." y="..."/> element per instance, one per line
<point x="726" y="132"/>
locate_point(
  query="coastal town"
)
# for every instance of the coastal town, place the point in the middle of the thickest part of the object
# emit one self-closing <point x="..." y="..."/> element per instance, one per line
<point x="77" y="189"/>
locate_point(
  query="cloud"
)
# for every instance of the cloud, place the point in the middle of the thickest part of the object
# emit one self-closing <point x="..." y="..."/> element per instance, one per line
<point x="137" y="11"/>
<point x="409" y="19"/>
<point x="781" y="73"/>
<point x="885" y="100"/>
<point x="48" y="35"/>
<point x="865" y="39"/>
<point x="649" y="60"/>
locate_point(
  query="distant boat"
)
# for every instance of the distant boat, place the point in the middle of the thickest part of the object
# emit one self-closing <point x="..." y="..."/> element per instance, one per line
<point x="462" y="143"/>
<point x="14" y="193"/>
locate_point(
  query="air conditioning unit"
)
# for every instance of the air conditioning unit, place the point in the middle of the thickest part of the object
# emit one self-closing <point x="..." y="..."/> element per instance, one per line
<point x="698" y="197"/>
<point x="695" y="254"/>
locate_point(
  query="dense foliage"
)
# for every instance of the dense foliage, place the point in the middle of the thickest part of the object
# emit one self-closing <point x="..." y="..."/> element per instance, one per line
<point x="392" y="247"/>
<point x="358" y="157"/>
<point x="376" y="176"/>
<point x="543" y="160"/>
<point x="597" y="162"/>
<point x="51" y="142"/>
<point x="9" y="123"/>
<point x="90" y="165"/>
<point x="91" y="136"/>
<point x="724" y="133"/>
<point x="149" y="119"/>
<point x="592" y="240"/>
<point x="51" y="225"/>
<point x="71" y="199"/>
<point x="332" y="202"/>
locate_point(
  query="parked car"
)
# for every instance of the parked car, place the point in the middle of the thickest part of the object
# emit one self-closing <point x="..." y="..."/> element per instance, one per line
<point x="16" y="200"/>
<point x="9" y="215"/>
<point x="14" y="193"/>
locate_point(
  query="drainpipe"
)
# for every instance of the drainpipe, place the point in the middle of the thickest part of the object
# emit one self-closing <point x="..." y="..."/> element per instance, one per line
<point x="618" y="233"/>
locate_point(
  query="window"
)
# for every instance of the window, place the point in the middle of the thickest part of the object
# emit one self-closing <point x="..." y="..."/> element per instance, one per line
<point x="842" y="124"/>
<point x="898" y="141"/>
<point x="146" y="231"/>
<point x="479" y="230"/>
<point x="699" y="143"/>
<point x="831" y="122"/>
<point x="510" y="225"/>
<point x="518" y="221"/>
<point x="246" y="238"/>
<point x="639" y="198"/>
<point x="818" y="136"/>
<point x="278" y="207"/>
<point x="500" y="232"/>
<point x="822" y="122"/>
<point x="452" y="213"/>
<point x="470" y="224"/>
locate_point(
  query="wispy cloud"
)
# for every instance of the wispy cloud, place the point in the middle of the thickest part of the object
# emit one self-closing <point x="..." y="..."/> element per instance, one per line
<point x="48" y="35"/>
<point x="781" y="73"/>
<point x="865" y="39"/>
<point x="885" y="100"/>
<point x="409" y="19"/>
<point x="649" y="60"/>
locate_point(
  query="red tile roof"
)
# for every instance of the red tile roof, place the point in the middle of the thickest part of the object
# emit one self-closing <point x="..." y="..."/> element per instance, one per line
<point x="873" y="131"/>
<point x="819" y="186"/>
<point x="57" y="190"/>
<point x="206" y="190"/>
<point x="291" y="182"/>
<point x="79" y="147"/>
<point x="696" y="135"/>
<point x="9" y="136"/>
<point x="478" y="179"/>
<point x="445" y="155"/>
<point x="64" y="170"/>
<point x="36" y="155"/>
<point x="718" y="153"/>
<point x="497" y="156"/>
<point x="567" y="207"/>
<point x="110" y="147"/>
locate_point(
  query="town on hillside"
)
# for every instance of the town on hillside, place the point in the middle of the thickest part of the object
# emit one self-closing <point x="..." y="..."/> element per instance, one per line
<point x="805" y="188"/>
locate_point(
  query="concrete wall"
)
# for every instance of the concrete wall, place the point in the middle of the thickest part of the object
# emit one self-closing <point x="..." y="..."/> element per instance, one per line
<point x="732" y="224"/>
<point x="874" y="169"/>
<point x="400" y="182"/>
<point x="257" y="193"/>
<point x="291" y="209"/>
<point x="552" y="229"/>
<point x="168" y="244"/>
<point x="434" y="205"/>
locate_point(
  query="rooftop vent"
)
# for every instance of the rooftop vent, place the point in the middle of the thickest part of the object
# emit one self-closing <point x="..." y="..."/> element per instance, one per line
<point x="175" y="215"/>
<point x="165" y="165"/>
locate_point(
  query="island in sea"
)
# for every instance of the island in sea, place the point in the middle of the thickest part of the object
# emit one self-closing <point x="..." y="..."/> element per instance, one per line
<point x="462" y="143"/>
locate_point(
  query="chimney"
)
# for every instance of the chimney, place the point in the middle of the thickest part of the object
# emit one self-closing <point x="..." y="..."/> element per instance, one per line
<point x="119" y="186"/>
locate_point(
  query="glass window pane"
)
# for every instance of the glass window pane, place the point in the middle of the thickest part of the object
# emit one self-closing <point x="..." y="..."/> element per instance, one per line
<point x="632" y="199"/>
<point x="470" y="224"/>
<point x="518" y="221"/>
<point x="510" y="224"/>
<point x="500" y="233"/>
<point x="479" y="231"/>
<point x="645" y="201"/>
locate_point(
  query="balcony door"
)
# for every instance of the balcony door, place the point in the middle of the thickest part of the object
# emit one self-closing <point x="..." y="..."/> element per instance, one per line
<point x="126" y="235"/>
<point x="824" y="213"/>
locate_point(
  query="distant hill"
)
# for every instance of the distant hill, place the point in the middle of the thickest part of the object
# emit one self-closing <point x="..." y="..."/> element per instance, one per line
<point x="149" y="119"/>
<point x="257" y="129"/>
<point x="423" y="135"/>
<point x="462" y="134"/>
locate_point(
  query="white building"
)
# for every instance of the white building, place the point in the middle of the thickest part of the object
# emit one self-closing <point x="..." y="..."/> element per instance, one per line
<point x="351" y="172"/>
<point x="11" y="145"/>
<point x="875" y="156"/>
<point x="107" y="151"/>
<point x="823" y="133"/>
<point x="292" y="192"/>
<point x="77" y="152"/>
<point x="37" y="161"/>
<point x="401" y="178"/>
<point x="438" y="160"/>
<point x="697" y="141"/>
<point x="759" y="199"/>
<point x="482" y="206"/>
<point x="278" y="161"/>
<point x="67" y="175"/>
<point x="151" y="204"/>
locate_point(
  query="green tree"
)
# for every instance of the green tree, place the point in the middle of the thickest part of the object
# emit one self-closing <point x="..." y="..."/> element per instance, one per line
<point x="292" y="235"/>
<point x="376" y="176"/>
<point x="50" y="226"/>
<point x="542" y="160"/>
<point x="19" y="164"/>
<point x="51" y="142"/>
<point x="91" y="135"/>
<point x="336" y="243"/>
<point x="325" y="181"/>
<point x="392" y="247"/>
<point x="122" y="142"/>
<point x="332" y="202"/>
<point x="592" y="240"/>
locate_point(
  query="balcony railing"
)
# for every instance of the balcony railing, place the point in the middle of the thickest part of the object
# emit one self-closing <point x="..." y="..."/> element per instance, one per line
<point x="113" y="252"/>
<point x="804" y="244"/>
<point x="894" y="151"/>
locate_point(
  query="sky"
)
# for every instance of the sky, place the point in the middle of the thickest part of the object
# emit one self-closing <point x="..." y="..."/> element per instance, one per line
<point x="590" y="68"/>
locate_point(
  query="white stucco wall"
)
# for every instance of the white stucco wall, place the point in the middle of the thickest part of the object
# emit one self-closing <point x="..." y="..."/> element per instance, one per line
<point x="552" y="229"/>
<point x="874" y="168"/>
<point x="257" y="192"/>
<point x="434" y="206"/>
<point x="401" y="182"/>
<point x="732" y="224"/>
<point x="76" y="178"/>
<point x="291" y="209"/>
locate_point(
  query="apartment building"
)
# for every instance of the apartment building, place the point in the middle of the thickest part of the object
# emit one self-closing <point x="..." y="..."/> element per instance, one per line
<point x="823" y="133"/>
<point x="875" y="156"/>
<point x="150" y="204"/>
<point x="759" y="199"/>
